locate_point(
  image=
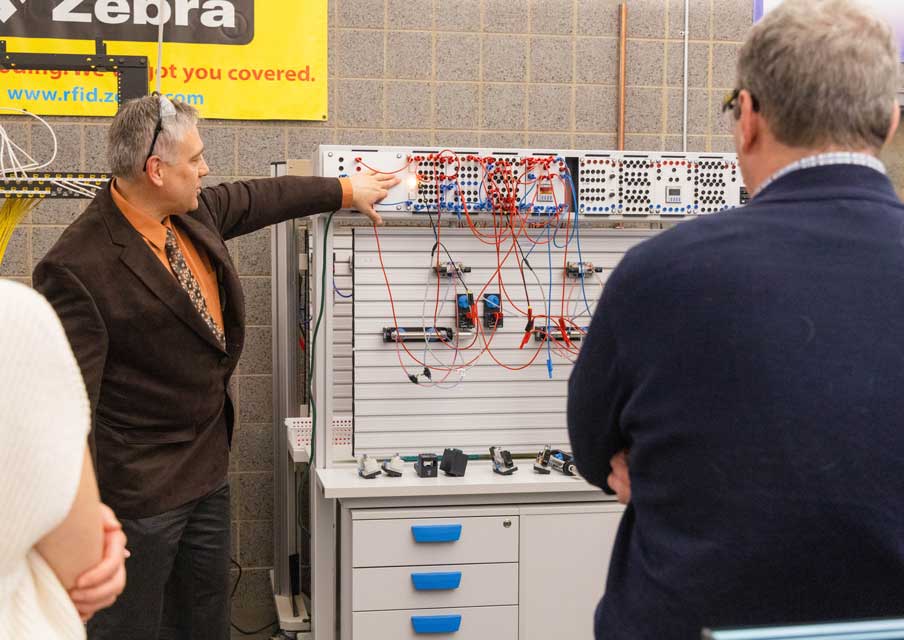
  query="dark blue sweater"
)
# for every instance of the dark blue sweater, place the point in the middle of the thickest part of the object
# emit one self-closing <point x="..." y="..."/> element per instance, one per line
<point x="753" y="362"/>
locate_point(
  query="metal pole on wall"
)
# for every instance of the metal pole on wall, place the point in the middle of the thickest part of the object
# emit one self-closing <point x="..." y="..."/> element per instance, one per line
<point x="622" y="54"/>
<point x="686" y="38"/>
<point x="290" y="609"/>
<point x="323" y="511"/>
<point x="285" y="402"/>
<point x="159" y="43"/>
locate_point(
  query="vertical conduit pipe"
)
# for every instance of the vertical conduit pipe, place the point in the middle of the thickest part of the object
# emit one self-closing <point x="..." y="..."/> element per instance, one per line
<point x="686" y="38"/>
<point x="159" y="43"/>
<point x="622" y="47"/>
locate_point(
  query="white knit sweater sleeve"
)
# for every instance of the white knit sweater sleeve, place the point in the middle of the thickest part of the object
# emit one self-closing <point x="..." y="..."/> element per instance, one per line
<point x="44" y="423"/>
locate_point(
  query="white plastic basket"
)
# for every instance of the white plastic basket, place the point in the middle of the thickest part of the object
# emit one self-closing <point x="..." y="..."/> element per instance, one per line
<point x="298" y="433"/>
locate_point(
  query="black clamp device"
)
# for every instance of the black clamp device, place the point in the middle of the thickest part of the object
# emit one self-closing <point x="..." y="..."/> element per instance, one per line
<point x="541" y="464"/>
<point x="454" y="462"/>
<point x="554" y="459"/>
<point x="426" y="466"/>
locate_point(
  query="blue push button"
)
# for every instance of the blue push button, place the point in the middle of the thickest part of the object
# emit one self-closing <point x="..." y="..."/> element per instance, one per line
<point x="436" y="581"/>
<point x="436" y="532"/>
<point x="436" y="624"/>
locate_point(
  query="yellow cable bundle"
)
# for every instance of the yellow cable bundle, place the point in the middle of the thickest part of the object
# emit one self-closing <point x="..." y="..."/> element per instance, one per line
<point x="15" y="165"/>
<point x="11" y="213"/>
<point x="20" y="182"/>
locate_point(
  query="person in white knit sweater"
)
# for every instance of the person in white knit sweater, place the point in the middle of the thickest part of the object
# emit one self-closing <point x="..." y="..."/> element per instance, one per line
<point x="52" y="523"/>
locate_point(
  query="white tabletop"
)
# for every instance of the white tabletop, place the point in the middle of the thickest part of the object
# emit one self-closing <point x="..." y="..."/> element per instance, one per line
<point x="344" y="482"/>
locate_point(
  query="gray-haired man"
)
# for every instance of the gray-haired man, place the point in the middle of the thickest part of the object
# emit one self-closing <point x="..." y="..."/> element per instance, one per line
<point x="153" y="307"/>
<point x="740" y="384"/>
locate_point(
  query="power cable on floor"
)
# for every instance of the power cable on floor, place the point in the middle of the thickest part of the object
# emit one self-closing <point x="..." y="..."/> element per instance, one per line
<point x="232" y="594"/>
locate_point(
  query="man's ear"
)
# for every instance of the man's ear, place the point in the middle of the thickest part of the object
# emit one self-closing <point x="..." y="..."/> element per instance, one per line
<point x="154" y="169"/>
<point x="750" y="122"/>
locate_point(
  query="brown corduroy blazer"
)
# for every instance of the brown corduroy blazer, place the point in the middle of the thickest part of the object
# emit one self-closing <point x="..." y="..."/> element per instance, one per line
<point x="156" y="378"/>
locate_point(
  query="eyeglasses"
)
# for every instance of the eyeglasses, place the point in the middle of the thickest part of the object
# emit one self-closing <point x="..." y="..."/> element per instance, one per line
<point x="730" y="101"/>
<point x="165" y="109"/>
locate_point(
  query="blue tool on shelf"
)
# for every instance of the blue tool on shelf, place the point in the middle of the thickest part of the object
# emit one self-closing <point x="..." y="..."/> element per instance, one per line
<point x="555" y="459"/>
<point x="502" y="461"/>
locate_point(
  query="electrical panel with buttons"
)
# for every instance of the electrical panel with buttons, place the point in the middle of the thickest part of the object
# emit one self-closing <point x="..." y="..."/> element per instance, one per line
<point x="474" y="184"/>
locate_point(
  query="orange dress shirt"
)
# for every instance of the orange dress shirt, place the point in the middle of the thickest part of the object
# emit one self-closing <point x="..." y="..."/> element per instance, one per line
<point x="154" y="234"/>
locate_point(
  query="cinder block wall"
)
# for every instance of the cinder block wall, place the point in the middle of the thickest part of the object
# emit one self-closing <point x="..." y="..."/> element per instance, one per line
<point x="513" y="73"/>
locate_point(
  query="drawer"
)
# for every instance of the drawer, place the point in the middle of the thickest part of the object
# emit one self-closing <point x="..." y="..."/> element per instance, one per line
<point x="475" y="623"/>
<point x="431" y="541"/>
<point x="467" y="585"/>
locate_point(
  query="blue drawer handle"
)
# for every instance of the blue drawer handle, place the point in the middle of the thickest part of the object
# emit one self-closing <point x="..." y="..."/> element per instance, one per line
<point x="436" y="581"/>
<point x="436" y="624"/>
<point x="436" y="532"/>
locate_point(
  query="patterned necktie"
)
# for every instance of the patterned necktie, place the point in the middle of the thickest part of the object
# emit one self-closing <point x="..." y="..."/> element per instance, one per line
<point x="187" y="279"/>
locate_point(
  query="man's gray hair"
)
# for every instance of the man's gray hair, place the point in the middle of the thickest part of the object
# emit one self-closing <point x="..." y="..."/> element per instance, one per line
<point x="132" y="129"/>
<point x="825" y="72"/>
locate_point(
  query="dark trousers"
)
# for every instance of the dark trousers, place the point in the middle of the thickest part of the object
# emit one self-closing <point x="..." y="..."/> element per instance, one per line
<point x="177" y="579"/>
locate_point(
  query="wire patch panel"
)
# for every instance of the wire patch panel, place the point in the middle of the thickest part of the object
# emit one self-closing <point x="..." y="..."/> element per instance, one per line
<point x="471" y="183"/>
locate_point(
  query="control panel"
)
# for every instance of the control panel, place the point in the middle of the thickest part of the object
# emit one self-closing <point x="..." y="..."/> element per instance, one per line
<point x="474" y="183"/>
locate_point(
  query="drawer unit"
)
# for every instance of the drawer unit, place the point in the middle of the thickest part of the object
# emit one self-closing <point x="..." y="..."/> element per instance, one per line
<point x="433" y="541"/>
<point x="475" y="623"/>
<point x="483" y="571"/>
<point x="422" y="587"/>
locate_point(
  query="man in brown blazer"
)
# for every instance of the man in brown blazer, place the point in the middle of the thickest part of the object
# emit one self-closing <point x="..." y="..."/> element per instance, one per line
<point x="152" y="305"/>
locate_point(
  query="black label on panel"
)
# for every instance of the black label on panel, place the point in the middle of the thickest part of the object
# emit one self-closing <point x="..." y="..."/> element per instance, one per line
<point x="195" y="21"/>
